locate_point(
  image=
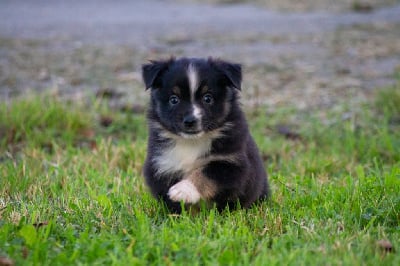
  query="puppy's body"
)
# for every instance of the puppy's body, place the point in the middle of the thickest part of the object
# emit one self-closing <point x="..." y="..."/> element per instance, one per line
<point x="199" y="146"/>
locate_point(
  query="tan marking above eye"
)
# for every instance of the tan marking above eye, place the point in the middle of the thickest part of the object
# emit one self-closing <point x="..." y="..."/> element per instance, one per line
<point x="176" y="90"/>
<point x="204" y="89"/>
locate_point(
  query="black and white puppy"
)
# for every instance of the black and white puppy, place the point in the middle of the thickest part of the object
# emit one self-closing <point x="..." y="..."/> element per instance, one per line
<point x="199" y="145"/>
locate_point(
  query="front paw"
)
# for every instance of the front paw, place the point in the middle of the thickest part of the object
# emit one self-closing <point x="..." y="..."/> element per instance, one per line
<point x="184" y="191"/>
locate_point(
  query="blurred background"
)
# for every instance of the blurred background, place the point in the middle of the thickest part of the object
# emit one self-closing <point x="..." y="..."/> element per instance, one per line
<point x="303" y="53"/>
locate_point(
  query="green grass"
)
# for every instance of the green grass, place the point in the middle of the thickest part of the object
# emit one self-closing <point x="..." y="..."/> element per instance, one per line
<point x="71" y="190"/>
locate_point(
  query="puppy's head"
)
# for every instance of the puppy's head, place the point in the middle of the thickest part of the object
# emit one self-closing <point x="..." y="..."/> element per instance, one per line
<point x="190" y="97"/>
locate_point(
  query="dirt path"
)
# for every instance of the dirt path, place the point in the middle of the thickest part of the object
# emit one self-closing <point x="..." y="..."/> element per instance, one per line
<point x="309" y="59"/>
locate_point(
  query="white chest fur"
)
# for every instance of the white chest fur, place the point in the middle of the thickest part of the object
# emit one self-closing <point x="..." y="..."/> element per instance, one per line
<point x="183" y="155"/>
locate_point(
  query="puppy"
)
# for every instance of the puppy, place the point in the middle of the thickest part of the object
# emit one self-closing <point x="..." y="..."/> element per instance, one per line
<point x="199" y="145"/>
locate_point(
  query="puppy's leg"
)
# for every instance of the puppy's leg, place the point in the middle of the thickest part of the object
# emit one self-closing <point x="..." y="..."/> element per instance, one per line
<point x="194" y="187"/>
<point x="159" y="186"/>
<point x="233" y="184"/>
<point x="184" y="191"/>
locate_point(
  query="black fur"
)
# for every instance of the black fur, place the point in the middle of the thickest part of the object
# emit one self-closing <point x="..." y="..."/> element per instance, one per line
<point x="211" y="146"/>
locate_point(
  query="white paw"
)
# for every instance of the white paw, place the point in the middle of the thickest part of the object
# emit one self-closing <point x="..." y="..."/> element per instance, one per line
<point x="184" y="191"/>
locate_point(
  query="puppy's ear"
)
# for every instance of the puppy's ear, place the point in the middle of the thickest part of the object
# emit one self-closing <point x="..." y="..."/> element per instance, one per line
<point x="231" y="71"/>
<point x="152" y="72"/>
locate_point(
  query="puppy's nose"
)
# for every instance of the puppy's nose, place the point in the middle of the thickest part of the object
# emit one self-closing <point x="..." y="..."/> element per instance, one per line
<point x="189" y="121"/>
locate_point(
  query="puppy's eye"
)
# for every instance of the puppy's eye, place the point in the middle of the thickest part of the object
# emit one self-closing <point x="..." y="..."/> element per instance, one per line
<point x="208" y="99"/>
<point x="174" y="100"/>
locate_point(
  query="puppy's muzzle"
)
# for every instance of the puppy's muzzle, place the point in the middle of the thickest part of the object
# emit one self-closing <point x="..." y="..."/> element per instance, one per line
<point x="191" y="124"/>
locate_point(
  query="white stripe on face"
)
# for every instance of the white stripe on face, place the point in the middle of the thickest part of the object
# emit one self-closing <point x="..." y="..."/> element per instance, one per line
<point x="197" y="112"/>
<point x="193" y="80"/>
<point x="193" y="85"/>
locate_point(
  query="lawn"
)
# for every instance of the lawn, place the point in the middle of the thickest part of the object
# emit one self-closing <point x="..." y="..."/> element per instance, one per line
<point x="72" y="192"/>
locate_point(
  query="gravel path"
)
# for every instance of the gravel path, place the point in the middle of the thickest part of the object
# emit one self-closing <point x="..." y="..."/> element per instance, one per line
<point x="307" y="59"/>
